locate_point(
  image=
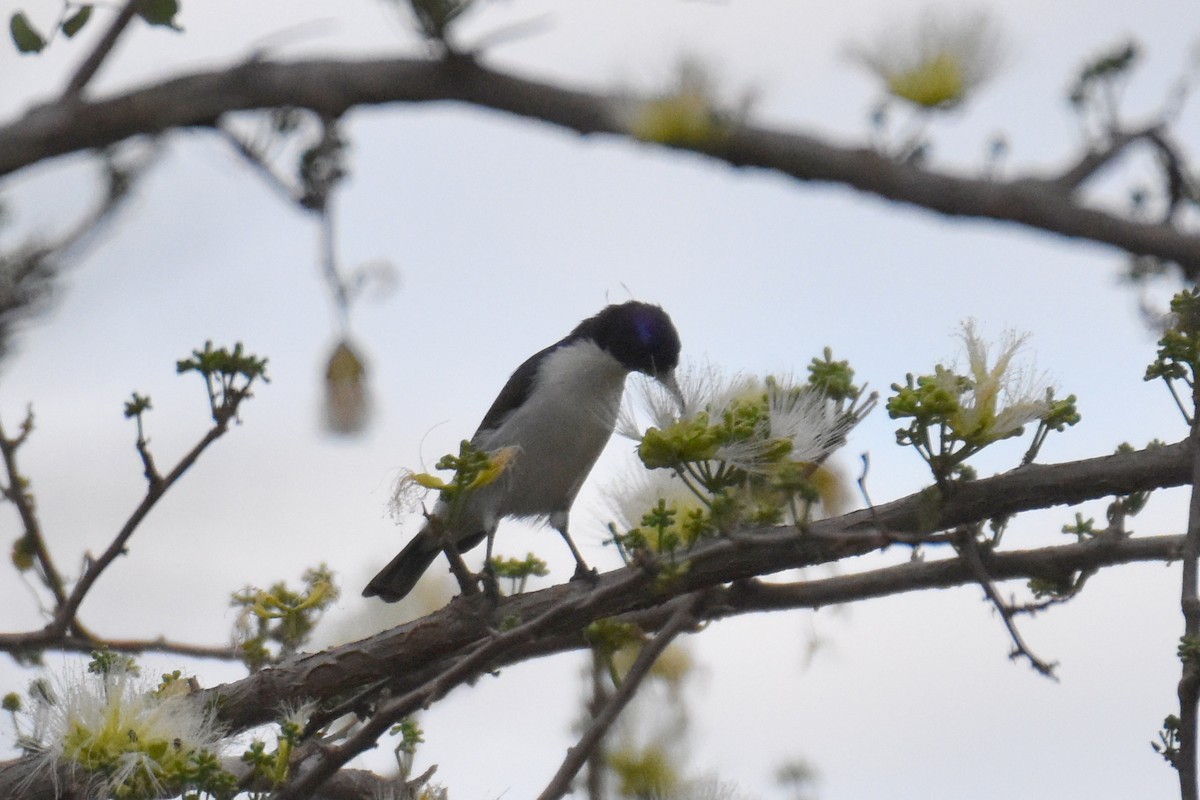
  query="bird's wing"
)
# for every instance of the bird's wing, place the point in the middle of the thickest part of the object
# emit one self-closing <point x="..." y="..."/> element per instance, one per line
<point x="516" y="391"/>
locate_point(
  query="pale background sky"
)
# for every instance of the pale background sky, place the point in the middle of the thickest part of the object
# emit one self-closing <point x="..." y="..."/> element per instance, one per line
<point x="505" y="233"/>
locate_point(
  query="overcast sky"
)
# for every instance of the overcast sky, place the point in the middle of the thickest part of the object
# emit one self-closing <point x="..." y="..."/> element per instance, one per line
<point x="505" y="233"/>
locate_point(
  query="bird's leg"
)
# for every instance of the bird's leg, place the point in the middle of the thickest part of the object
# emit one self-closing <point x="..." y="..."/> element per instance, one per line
<point x="559" y="521"/>
<point x="466" y="582"/>
<point x="488" y="575"/>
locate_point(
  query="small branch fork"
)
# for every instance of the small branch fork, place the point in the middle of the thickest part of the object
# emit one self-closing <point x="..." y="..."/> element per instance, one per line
<point x="968" y="547"/>
<point x="65" y="631"/>
<point x="684" y="618"/>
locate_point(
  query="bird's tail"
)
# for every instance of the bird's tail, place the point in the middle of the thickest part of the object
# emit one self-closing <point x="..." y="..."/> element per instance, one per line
<point x="401" y="574"/>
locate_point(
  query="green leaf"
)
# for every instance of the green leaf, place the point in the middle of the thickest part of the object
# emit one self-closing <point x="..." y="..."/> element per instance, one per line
<point x="159" y="12"/>
<point x="74" y="23"/>
<point x="24" y="36"/>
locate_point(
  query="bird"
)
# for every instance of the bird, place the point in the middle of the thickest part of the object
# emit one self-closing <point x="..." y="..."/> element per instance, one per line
<point x="556" y="413"/>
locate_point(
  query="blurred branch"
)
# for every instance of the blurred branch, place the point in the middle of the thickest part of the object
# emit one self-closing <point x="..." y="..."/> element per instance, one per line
<point x="331" y="87"/>
<point x="28" y="270"/>
<point x="69" y="643"/>
<point x="1094" y="160"/>
<point x="258" y="161"/>
<point x="682" y="618"/>
<point x="94" y="59"/>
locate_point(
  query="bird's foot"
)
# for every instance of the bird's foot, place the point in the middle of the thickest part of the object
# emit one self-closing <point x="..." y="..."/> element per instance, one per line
<point x="584" y="573"/>
<point x="491" y="586"/>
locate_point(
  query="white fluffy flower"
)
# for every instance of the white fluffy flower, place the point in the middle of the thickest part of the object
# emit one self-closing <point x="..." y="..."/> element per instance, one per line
<point x="629" y="499"/>
<point x="806" y="419"/>
<point x="701" y="386"/>
<point x="1003" y="397"/>
<point x="120" y="729"/>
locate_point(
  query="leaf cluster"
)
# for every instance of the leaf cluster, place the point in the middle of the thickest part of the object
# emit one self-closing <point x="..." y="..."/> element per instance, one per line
<point x="28" y="38"/>
<point x="518" y="571"/>
<point x="472" y="469"/>
<point x="1099" y="73"/>
<point x="951" y="420"/>
<point x="228" y="375"/>
<point x="274" y="766"/>
<point x="1178" y="358"/>
<point x="281" y="618"/>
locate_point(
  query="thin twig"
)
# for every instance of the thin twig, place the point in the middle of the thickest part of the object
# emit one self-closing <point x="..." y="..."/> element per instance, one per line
<point x="258" y="161"/>
<point x="153" y="477"/>
<point x="329" y="265"/>
<point x="66" y="611"/>
<point x="88" y="641"/>
<point x="596" y="758"/>
<point x="969" y="548"/>
<point x="1189" y="681"/>
<point x="95" y="58"/>
<point x="1092" y="161"/>
<point x="683" y="618"/>
<point x="18" y="494"/>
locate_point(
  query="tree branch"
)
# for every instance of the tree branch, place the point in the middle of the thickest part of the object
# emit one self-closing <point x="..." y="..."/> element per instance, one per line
<point x="969" y="551"/>
<point x="470" y="666"/>
<point x="682" y="618"/>
<point x="256" y="700"/>
<point x="426" y="659"/>
<point x="1092" y="161"/>
<point x="1189" y="682"/>
<point x="65" y="613"/>
<point x="90" y="641"/>
<point x="427" y="646"/>
<point x="17" y="493"/>
<point x="92" y="63"/>
<point x="331" y="87"/>
<point x="64" y="630"/>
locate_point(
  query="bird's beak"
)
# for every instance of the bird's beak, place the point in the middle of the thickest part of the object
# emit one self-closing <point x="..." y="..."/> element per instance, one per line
<point x="672" y="386"/>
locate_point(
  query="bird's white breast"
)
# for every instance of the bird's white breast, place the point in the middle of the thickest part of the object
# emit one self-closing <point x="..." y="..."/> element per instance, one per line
<point x="560" y="431"/>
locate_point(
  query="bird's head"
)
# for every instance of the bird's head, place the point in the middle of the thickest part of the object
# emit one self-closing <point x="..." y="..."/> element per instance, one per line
<point x="641" y="337"/>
